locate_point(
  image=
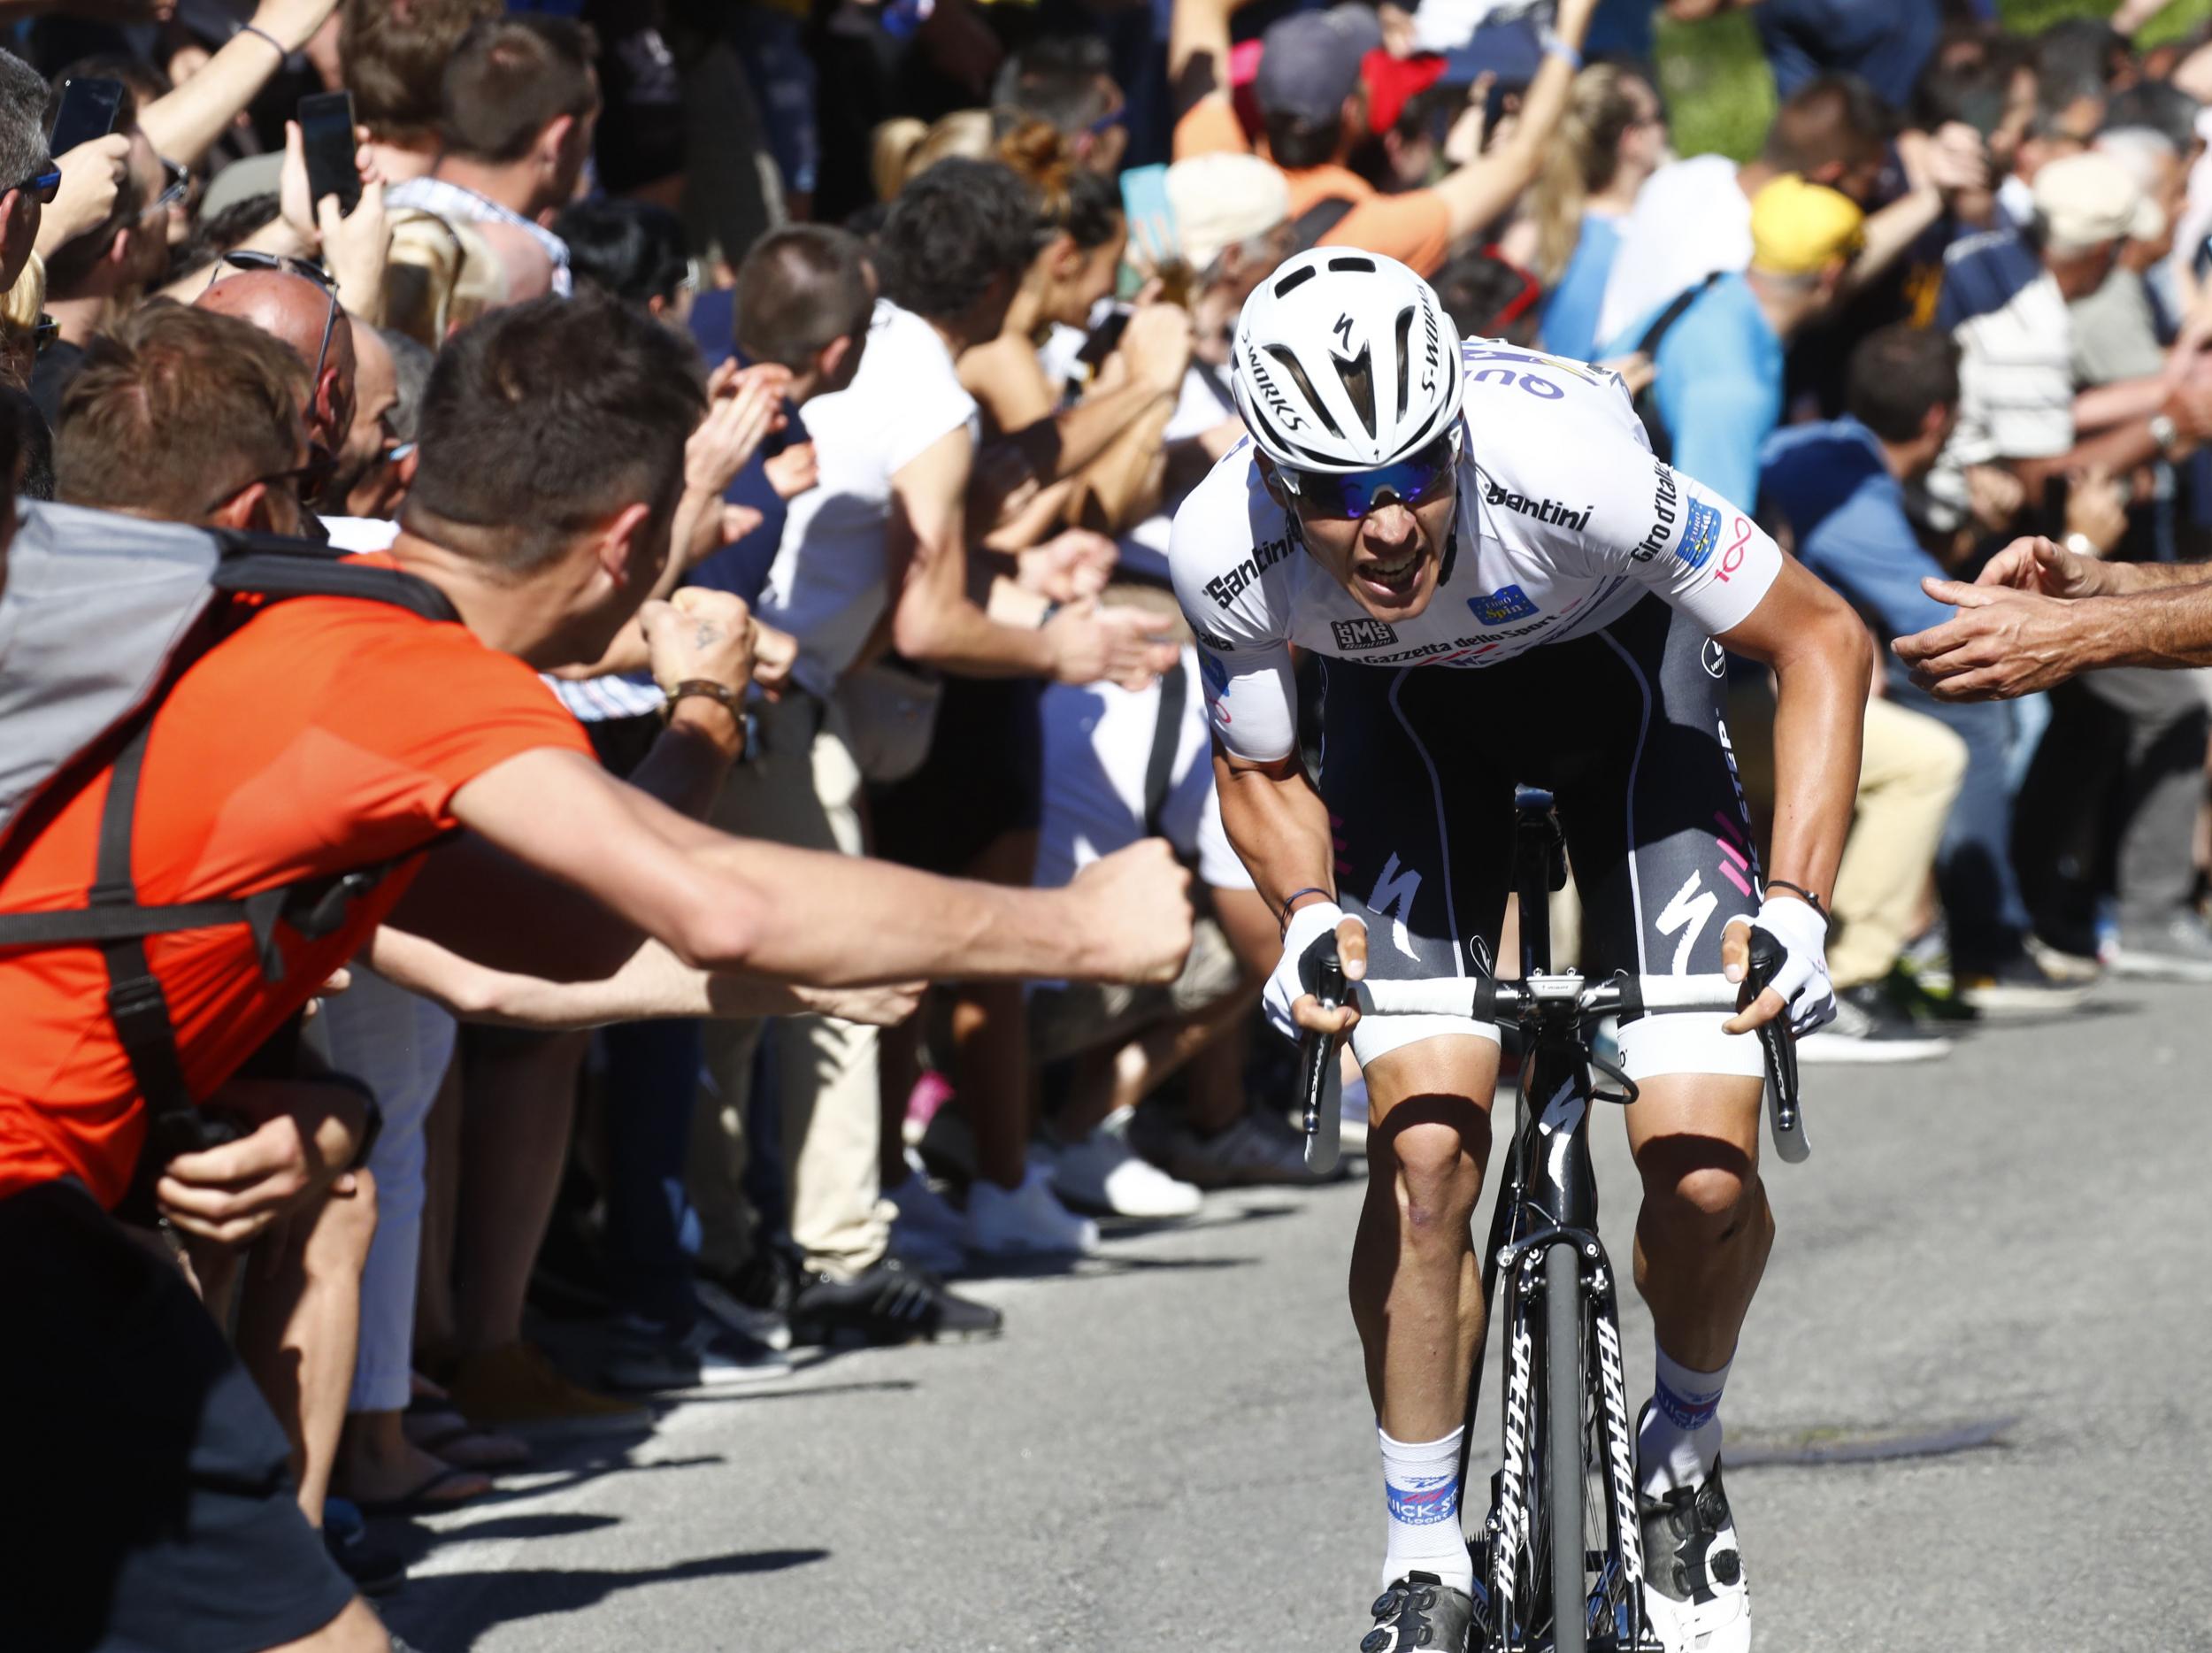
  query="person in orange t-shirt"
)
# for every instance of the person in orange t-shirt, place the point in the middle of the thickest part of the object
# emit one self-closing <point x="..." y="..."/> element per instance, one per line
<point x="1314" y="109"/>
<point x="329" y="734"/>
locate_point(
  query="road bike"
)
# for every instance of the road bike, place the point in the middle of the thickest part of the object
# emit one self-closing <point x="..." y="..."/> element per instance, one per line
<point x="1559" y="1565"/>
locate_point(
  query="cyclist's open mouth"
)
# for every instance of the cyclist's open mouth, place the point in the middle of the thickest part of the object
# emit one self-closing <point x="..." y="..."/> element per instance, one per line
<point x="1395" y="580"/>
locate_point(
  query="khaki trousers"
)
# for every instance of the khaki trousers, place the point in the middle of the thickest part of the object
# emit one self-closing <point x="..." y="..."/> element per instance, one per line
<point x="1910" y="774"/>
<point x="802" y="787"/>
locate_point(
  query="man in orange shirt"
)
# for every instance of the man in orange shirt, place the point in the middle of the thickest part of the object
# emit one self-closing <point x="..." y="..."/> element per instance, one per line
<point x="1314" y="109"/>
<point x="324" y="735"/>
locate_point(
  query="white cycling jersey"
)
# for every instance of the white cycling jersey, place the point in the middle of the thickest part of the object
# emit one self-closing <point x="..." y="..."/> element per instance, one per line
<point x="1565" y="521"/>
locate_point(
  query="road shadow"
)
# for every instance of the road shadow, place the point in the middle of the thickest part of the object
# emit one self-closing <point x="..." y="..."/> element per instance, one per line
<point x="451" y="1610"/>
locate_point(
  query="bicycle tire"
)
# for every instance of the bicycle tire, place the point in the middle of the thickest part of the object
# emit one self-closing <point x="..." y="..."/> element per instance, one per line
<point x="1563" y="1372"/>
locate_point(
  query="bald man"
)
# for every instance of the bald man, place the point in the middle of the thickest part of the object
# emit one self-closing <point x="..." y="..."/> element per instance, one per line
<point x="300" y="314"/>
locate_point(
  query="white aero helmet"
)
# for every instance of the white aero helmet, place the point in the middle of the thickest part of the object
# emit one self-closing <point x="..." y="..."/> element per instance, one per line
<point x="1345" y="361"/>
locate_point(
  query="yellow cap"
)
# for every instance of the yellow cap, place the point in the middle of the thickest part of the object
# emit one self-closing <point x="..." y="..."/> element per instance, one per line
<point x="1798" y="228"/>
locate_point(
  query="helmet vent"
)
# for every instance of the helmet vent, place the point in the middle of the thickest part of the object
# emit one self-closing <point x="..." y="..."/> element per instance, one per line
<point x="1358" y="375"/>
<point x="1294" y="280"/>
<point x="1357" y="266"/>
<point x="1289" y="364"/>
<point x="1405" y="360"/>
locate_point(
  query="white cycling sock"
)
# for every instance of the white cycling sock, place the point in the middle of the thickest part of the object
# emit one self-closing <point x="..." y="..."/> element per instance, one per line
<point x="1421" y="1485"/>
<point x="1680" y="1441"/>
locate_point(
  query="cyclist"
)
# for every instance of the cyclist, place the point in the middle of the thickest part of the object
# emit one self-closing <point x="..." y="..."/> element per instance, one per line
<point x="1408" y="507"/>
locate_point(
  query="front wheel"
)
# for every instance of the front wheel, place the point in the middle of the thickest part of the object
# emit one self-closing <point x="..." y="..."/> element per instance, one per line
<point x="1564" y="1321"/>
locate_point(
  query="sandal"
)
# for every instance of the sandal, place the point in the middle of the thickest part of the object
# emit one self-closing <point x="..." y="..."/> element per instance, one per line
<point x="424" y="1499"/>
<point x="434" y="1425"/>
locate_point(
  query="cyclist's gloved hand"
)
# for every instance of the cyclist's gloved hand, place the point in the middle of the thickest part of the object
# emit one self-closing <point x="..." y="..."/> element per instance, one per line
<point x="1296" y="972"/>
<point x="1807" y="994"/>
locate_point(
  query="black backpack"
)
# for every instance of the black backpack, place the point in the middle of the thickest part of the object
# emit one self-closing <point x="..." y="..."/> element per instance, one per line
<point x="101" y="614"/>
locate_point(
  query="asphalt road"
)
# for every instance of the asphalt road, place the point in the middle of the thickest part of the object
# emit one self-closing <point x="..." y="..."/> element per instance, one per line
<point x="1171" y="1447"/>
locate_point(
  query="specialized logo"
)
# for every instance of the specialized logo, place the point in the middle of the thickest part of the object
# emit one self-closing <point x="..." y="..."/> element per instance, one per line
<point x="1664" y="500"/>
<point x="1222" y="588"/>
<point x="1545" y="510"/>
<point x="1701" y="532"/>
<point x="1427" y="1499"/>
<point x="1365" y="633"/>
<point x="1429" y="357"/>
<point x="1393" y="893"/>
<point x="1624" y="1462"/>
<point x="1512" y="1511"/>
<point x="1343" y="331"/>
<point x="1277" y="404"/>
<point x="1501" y="607"/>
<point x="1687" y="912"/>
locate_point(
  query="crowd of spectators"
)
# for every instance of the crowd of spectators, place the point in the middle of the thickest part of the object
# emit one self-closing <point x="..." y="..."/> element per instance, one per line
<point x="790" y="404"/>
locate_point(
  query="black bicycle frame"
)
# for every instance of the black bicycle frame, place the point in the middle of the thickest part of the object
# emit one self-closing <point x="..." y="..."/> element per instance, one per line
<point x="1548" y="1193"/>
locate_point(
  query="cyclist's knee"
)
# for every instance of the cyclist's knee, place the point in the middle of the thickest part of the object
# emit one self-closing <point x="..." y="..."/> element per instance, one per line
<point x="1439" y="1172"/>
<point x="1707" y="1202"/>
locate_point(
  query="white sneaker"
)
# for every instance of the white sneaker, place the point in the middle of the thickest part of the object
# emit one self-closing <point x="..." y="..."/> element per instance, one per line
<point x="1026" y="1221"/>
<point x="1102" y="1172"/>
<point x="927" y="1231"/>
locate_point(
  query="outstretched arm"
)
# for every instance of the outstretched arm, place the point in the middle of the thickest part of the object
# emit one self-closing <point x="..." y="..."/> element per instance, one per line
<point x="740" y="906"/>
<point x="652" y="984"/>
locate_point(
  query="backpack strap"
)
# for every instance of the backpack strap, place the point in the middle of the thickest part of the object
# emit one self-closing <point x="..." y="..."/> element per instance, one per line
<point x="1647" y="402"/>
<point x="136" y="1004"/>
<point x="1308" y="228"/>
<point x="259" y="564"/>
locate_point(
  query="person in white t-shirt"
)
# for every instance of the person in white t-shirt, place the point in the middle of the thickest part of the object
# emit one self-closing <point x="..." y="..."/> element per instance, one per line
<point x="1693" y="217"/>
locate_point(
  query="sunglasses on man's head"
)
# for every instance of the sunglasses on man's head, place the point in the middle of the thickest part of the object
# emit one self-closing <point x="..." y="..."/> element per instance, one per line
<point x="45" y="184"/>
<point x="1405" y="482"/>
<point x="176" y="181"/>
<point x="308" y="480"/>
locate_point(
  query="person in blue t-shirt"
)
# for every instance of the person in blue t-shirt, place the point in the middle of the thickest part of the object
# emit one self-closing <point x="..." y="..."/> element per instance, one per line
<point x="1839" y="487"/>
<point x="1718" y="348"/>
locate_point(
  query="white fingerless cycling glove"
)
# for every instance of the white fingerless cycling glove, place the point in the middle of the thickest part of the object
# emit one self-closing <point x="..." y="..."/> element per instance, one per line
<point x="1295" y="976"/>
<point x="1802" y="980"/>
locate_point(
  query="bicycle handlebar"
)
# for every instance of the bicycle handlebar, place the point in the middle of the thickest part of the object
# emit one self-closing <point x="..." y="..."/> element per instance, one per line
<point x="1491" y="1000"/>
<point x="1487" y="1000"/>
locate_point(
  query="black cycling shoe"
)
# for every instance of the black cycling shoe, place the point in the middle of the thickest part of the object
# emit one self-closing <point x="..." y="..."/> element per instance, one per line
<point x="891" y="1302"/>
<point x="1419" y="1610"/>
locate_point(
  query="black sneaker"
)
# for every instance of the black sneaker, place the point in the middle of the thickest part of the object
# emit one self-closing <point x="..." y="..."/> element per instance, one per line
<point x="891" y="1302"/>
<point x="1912" y="995"/>
<point x="1868" y="1029"/>
<point x="1696" y="1598"/>
<point x="1419" y="1610"/>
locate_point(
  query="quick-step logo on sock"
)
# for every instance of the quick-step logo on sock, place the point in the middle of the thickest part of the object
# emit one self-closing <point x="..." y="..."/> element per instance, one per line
<point x="1685" y="1412"/>
<point x="1424" y="1500"/>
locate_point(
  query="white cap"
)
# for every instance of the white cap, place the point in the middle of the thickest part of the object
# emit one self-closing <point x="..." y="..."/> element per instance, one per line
<point x="1219" y="200"/>
<point x="2088" y="198"/>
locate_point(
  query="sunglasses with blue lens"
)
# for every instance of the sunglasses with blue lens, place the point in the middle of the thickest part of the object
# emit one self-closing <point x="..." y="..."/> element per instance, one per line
<point x="1405" y="482"/>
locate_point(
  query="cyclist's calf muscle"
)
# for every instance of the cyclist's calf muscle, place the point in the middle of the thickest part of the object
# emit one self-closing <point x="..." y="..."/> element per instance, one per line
<point x="1416" y="1283"/>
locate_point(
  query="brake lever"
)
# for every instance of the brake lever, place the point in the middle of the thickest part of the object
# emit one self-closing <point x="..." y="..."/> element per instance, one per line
<point x="1321" y="1100"/>
<point x="1784" y="1112"/>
